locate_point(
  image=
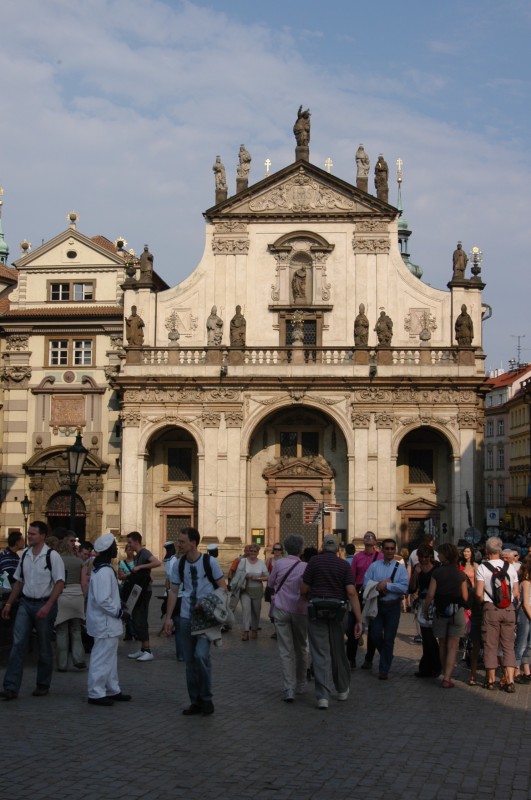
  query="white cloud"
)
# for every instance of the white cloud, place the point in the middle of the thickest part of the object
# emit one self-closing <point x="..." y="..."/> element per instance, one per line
<point x="118" y="108"/>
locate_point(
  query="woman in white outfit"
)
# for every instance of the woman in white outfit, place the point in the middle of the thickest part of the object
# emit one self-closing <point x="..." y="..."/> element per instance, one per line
<point x="251" y="595"/>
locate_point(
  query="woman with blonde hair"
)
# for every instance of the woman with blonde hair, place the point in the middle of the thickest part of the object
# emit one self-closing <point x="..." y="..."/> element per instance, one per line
<point x="70" y="608"/>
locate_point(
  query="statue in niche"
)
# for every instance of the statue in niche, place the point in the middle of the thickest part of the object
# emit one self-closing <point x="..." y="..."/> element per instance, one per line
<point x="384" y="329"/>
<point x="134" y="329"/>
<point x="361" y="328"/>
<point x="214" y="325"/>
<point x="362" y="162"/>
<point x="238" y="326"/>
<point x="298" y="285"/>
<point x="459" y="260"/>
<point x="146" y="264"/>
<point x="301" y="129"/>
<point x="244" y="165"/>
<point x="464" y="328"/>
<point x="219" y="175"/>
<point x="381" y="179"/>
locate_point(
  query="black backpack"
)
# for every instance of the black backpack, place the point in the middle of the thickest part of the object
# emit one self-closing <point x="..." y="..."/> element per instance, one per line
<point x="207" y="566"/>
<point x="501" y="585"/>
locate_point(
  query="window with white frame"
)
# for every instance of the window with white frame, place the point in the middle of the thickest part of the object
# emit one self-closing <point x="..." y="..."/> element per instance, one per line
<point x="70" y="352"/>
<point x="501" y="458"/>
<point x="501" y="494"/>
<point x="490" y="494"/>
<point x="489" y="459"/>
<point x="501" y="427"/>
<point x="489" y="429"/>
<point x="64" y="291"/>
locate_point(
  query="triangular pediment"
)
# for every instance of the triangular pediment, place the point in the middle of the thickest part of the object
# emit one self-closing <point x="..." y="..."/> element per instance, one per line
<point x="176" y="501"/>
<point x="70" y="249"/>
<point x="420" y="505"/>
<point x="301" y="190"/>
<point x="291" y="468"/>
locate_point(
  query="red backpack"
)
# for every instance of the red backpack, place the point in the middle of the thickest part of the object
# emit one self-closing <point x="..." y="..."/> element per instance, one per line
<point x="501" y="585"/>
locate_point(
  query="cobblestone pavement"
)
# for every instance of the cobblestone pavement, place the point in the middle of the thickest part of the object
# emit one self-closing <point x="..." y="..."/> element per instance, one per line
<point x="406" y="738"/>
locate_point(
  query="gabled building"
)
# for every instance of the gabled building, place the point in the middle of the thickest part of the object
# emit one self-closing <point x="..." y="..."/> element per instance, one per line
<point x="62" y="334"/>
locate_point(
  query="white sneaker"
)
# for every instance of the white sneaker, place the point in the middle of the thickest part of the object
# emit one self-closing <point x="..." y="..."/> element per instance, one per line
<point x="323" y="703"/>
<point x="145" y="656"/>
<point x="136" y="654"/>
<point x="343" y="695"/>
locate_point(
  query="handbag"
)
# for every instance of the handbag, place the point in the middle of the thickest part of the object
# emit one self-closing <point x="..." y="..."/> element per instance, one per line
<point x="326" y="608"/>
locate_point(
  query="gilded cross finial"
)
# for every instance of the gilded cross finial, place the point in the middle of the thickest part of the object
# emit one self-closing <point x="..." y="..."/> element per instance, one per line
<point x="267" y="165"/>
<point x="399" y="165"/>
<point x="329" y="164"/>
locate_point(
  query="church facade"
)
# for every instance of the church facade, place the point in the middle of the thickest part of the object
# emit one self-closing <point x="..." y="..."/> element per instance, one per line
<point x="301" y="379"/>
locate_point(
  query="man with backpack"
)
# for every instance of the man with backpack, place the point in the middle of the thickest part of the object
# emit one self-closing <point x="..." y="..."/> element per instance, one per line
<point x="39" y="579"/>
<point x="497" y="589"/>
<point x="199" y="575"/>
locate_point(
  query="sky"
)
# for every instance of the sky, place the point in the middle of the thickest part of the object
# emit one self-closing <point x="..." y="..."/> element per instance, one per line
<point x="117" y="109"/>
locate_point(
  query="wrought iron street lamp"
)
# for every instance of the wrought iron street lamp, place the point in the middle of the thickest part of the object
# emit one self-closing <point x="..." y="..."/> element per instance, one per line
<point x="77" y="455"/>
<point x="25" y="505"/>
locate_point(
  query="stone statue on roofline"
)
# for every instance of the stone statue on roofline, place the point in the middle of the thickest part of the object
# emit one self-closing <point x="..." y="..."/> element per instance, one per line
<point x="220" y="180"/>
<point x="361" y="328"/>
<point x="214" y="325"/>
<point x="134" y="329"/>
<point x="464" y="328"/>
<point x="363" y="165"/>
<point x="384" y="329"/>
<point x="146" y="264"/>
<point x="301" y="129"/>
<point x="381" y="179"/>
<point x="243" y="169"/>
<point x="459" y="261"/>
<point x="238" y="327"/>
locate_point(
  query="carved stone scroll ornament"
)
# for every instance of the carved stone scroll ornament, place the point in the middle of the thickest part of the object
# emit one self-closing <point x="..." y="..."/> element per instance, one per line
<point x="372" y="226"/>
<point x="231" y="226"/>
<point x="370" y="246"/>
<point x="130" y="418"/>
<point x="467" y="419"/>
<point x="384" y="420"/>
<point x="233" y="419"/>
<point x="211" y="419"/>
<point x="223" y="394"/>
<point x="17" y="341"/>
<point x="372" y="395"/>
<point x="112" y="372"/>
<point x="360" y="419"/>
<point x="16" y="374"/>
<point x="419" y="319"/>
<point x="230" y="246"/>
<point x="301" y="193"/>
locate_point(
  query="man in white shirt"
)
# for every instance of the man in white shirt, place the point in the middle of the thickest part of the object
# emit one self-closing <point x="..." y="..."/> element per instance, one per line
<point x="498" y="623"/>
<point x="39" y="578"/>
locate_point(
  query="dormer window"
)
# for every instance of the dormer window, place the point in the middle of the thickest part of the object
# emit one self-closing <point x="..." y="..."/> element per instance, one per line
<point x="71" y="291"/>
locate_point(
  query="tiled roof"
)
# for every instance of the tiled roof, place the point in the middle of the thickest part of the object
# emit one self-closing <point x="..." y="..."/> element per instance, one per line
<point x="4" y="305"/>
<point x="9" y="273"/>
<point x="102" y="241"/>
<point x="507" y="379"/>
<point x="66" y="311"/>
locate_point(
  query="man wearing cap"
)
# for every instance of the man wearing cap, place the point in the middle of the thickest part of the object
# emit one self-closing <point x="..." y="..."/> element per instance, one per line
<point x="360" y="564"/>
<point x="390" y="580"/>
<point x="329" y="577"/>
<point x="39" y="579"/>
<point x="104" y="623"/>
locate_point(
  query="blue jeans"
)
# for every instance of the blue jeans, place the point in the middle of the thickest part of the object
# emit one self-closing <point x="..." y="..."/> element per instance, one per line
<point x="383" y="630"/>
<point x="25" y="621"/>
<point x="196" y="651"/>
<point x="523" y="639"/>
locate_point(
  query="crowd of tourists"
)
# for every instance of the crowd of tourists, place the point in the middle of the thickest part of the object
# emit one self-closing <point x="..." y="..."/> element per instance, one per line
<point x="323" y="606"/>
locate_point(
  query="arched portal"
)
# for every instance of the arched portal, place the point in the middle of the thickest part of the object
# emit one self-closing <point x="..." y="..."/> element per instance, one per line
<point x="297" y="454"/>
<point x="58" y="513"/>
<point x="292" y="519"/>
<point x="424" y="484"/>
<point x="171" y="482"/>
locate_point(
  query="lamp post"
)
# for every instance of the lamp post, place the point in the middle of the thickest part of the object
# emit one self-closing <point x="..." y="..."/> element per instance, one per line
<point x="25" y="506"/>
<point x="77" y="455"/>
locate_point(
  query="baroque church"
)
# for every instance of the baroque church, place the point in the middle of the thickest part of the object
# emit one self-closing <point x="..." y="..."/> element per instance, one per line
<point x="302" y="379"/>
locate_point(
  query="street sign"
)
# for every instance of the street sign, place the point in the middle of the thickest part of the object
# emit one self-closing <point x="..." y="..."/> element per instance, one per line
<point x="329" y="507"/>
<point x="310" y="513"/>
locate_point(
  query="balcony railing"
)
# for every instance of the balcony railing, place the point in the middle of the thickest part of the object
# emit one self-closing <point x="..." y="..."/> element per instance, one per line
<point x="274" y="356"/>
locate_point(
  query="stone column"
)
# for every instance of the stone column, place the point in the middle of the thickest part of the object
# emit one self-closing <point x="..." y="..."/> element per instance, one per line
<point x="132" y="466"/>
